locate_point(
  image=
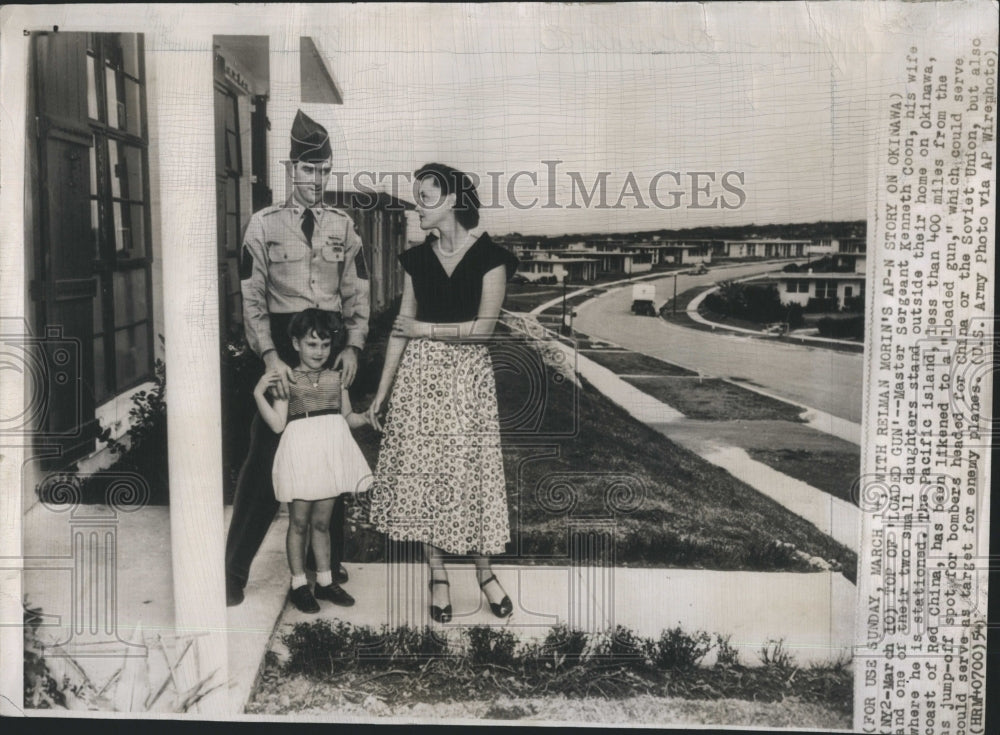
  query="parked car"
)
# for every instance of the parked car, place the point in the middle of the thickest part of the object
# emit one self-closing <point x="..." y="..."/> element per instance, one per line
<point x="701" y="270"/>
<point x="643" y="299"/>
<point x="518" y="278"/>
<point x="775" y="330"/>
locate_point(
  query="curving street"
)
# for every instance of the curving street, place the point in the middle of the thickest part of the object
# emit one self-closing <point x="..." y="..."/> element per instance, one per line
<point x="828" y="380"/>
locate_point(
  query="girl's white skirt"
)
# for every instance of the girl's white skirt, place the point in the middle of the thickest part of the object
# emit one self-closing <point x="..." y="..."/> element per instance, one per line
<point x="317" y="458"/>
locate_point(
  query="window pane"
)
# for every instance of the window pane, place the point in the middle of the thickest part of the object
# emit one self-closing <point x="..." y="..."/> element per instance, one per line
<point x="131" y="353"/>
<point x="130" y="53"/>
<point x="220" y="132"/>
<point x="98" y="308"/>
<point x="232" y="276"/>
<point x="232" y="195"/>
<point x="232" y="152"/>
<point x="93" y="170"/>
<point x="95" y="230"/>
<point x="232" y="233"/>
<point x="116" y="187"/>
<point x="91" y="89"/>
<point x="111" y="90"/>
<point x="130" y="172"/>
<point x="130" y="296"/>
<point x="119" y="227"/>
<point x="132" y="108"/>
<point x="100" y="377"/>
<point x="138" y="231"/>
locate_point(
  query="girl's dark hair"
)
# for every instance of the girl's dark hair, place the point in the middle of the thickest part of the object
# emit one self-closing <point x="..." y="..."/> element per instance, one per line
<point x="452" y="181"/>
<point x="321" y="322"/>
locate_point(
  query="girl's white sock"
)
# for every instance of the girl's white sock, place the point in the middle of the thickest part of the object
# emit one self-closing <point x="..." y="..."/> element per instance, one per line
<point x="324" y="579"/>
<point x="298" y="580"/>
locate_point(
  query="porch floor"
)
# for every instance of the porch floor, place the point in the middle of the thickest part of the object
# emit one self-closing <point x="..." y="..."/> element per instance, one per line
<point x="813" y="613"/>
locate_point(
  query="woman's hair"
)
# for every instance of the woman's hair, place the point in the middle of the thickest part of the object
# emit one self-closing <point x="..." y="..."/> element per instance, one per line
<point x="452" y="181"/>
<point x="313" y="320"/>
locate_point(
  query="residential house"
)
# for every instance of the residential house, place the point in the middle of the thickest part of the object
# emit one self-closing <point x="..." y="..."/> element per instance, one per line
<point x="799" y="288"/>
<point x="564" y="265"/>
<point x="764" y="248"/>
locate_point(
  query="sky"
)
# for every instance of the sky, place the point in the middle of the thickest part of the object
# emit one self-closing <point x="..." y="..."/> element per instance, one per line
<point x="779" y="106"/>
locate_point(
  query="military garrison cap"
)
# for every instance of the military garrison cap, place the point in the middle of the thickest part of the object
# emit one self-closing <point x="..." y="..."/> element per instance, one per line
<point x="310" y="141"/>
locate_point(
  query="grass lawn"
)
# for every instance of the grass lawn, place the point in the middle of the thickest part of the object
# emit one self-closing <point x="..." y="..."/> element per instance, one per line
<point x="688" y="512"/>
<point x="729" y="321"/>
<point x="634" y="363"/>
<point x="716" y="400"/>
<point x="526" y="296"/>
<point x="556" y="309"/>
<point x="834" y="472"/>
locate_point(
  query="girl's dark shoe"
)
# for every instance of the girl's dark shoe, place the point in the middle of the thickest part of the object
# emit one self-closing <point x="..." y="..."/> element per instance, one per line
<point x="334" y="593"/>
<point x="440" y="614"/>
<point x="506" y="607"/>
<point x="303" y="599"/>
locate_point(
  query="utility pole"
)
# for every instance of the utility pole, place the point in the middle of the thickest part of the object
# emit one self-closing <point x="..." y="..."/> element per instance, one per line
<point x="562" y="321"/>
<point x="673" y="304"/>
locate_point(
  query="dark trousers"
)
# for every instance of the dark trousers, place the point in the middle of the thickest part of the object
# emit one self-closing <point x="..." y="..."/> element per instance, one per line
<point x="254" y="507"/>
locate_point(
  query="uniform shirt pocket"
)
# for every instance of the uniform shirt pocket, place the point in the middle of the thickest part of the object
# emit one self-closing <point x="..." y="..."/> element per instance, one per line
<point x="289" y="267"/>
<point x="333" y="253"/>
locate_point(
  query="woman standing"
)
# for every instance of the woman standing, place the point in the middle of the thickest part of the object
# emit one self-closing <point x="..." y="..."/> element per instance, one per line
<point x="440" y="477"/>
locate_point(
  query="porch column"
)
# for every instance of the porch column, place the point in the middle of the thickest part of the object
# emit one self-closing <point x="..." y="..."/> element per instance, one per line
<point x="181" y="112"/>
<point x="284" y="100"/>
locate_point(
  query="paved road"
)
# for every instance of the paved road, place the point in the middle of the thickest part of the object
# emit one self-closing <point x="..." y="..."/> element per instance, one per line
<point x="827" y="380"/>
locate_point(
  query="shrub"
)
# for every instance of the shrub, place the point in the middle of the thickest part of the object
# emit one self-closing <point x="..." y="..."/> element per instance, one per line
<point x="727" y="654"/>
<point x="319" y="648"/>
<point x="491" y="646"/>
<point x="677" y="650"/>
<point x="754" y="302"/>
<point x="819" y="306"/>
<point x="620" y="645"/>
<point x="41" y="690"/>
<point x="142" y="452"/>
<point x="793" y="315"/>
<point x="842" y="327"/>
<point x="566" y="643"/>
<point x="854" y="304"/>
<point x="774" y="654"/>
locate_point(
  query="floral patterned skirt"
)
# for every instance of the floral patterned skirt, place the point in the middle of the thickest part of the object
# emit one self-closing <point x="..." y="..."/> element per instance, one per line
<point x="440" y="476"/>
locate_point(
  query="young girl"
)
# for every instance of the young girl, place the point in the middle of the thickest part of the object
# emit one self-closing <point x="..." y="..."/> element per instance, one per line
<point x="317" y="457"/>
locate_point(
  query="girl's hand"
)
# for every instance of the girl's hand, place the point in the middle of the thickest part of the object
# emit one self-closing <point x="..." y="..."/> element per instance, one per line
<point x="407" y="326"/>
<point x="373" y="411"/>
<point x="272" y="380"/>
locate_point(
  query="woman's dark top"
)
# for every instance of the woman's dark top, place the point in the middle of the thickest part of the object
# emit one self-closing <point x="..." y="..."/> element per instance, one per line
<point x="442" y="298"/>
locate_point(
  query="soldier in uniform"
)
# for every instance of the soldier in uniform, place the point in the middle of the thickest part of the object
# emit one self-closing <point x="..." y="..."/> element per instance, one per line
<point x="296" y="255"/>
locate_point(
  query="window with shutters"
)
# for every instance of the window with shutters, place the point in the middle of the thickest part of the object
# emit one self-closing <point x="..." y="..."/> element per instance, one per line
<point x="228" y="173"/>
<point x="120" y="212"/>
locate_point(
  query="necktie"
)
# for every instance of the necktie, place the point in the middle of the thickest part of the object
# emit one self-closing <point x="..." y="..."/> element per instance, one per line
<point x="308" y="225"/>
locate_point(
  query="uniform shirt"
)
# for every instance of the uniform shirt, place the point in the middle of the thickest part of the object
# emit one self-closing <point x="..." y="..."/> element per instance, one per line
<point x="281" y="274"/>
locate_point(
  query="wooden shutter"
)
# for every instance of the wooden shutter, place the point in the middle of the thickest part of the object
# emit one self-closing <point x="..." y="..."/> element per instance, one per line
<point x="64" y="291"/>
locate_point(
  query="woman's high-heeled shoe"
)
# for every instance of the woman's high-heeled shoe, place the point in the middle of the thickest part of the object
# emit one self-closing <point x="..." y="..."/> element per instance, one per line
<point x="506" y="607"/>
<point x="440" y="614"/>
